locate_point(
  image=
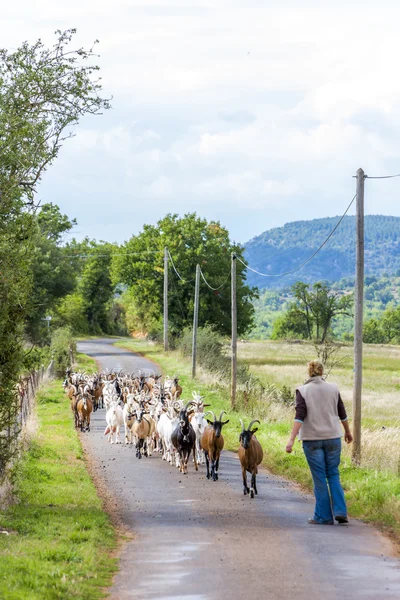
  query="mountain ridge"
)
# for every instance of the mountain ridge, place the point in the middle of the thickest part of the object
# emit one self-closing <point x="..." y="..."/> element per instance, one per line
<point x="284" y="248"/>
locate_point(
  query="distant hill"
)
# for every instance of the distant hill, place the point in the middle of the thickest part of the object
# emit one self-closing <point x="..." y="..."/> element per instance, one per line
<point x="284" y="248"/>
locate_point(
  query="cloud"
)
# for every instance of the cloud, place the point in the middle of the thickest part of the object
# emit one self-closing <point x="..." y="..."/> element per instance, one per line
<point x="253" y="113"/>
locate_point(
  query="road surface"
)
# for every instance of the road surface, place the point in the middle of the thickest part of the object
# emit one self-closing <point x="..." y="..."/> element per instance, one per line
<point x="202" y="540"/>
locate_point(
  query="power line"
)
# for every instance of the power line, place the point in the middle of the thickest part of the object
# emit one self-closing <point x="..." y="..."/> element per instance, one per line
<point x="308" y="259"/>
<point x="383" y="176"/>
<point x="94" y="255"/>
<point x="173" y="265"/>
<point x="214" y="289"/>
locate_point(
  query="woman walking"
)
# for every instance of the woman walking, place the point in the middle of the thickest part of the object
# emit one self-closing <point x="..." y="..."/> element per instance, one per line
<point x="319" y="408"/>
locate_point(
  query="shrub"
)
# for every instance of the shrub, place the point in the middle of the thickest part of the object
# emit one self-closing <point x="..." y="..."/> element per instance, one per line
<point x="63" y="349"/>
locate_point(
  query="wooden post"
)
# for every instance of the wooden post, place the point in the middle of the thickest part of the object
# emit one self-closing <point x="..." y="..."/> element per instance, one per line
<point x="358" y="324"/>
<point x="165" y="299"/>
<point x="195" y="320"/>
<point x="234" y="331"/>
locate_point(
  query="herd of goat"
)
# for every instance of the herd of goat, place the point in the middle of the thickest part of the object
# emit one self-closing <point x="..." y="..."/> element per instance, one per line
<point x="155" y="419"/>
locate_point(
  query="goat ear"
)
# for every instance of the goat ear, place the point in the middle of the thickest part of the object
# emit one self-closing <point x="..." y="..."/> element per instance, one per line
<point x="254" y="430"/>
<point x="225" y="422"/>
<point x="210" y="422"/>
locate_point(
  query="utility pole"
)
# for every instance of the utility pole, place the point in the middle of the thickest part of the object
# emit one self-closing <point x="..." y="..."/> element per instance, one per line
<point x="358" y="324"/>
<point x="234" y="331"/>
<point x="195" y="320"/>
<point x="165" y="299"/>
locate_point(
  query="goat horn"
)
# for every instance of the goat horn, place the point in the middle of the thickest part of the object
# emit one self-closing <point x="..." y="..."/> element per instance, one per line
<point x="189" y="404"/>
<point x="223" y="413"/>
<point x="252" y="423"/>
<point x="242" y="424"/>
<point x="210" y="412"/>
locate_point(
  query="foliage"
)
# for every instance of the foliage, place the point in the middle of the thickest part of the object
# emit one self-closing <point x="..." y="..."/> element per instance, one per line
<point x="385" y="329"/>
<point x="63" y="349"/>
<point x="43" y="94"/>
<point x="190" y="241"/>
<point x="96" y="288"/>
<point x="70" y="311"/>
<point x="53" y="274"/>
<point x="282" y="249"/>
<point x="311" y="314"/>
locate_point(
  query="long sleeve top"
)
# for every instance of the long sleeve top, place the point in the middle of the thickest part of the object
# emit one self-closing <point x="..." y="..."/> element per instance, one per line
<point x="301" y="408"/>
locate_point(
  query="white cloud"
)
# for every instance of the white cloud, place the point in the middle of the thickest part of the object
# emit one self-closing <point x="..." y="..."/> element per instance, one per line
<point x="254" y="113"/>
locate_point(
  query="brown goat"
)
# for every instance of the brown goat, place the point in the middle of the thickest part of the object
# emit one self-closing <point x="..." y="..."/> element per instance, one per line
<point x="212" y="443"/>
<point x="84" y="409"/>
<point x="176" y="389"/>
<point x="250" y="456"/>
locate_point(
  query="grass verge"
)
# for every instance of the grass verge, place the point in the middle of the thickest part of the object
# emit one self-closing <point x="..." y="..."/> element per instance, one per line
<point x="372" y="495"/>
<point x="61" y="540"/>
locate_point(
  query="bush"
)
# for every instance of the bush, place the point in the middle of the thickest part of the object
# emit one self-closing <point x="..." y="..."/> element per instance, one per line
<point x="35" y="358"/>
<point x="209" y="349"/>
<point x="63" y="349"/>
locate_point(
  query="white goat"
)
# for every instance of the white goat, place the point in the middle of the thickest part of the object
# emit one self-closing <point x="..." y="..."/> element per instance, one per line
<point x="199" y="423"/>
<point x="115" y="419"/>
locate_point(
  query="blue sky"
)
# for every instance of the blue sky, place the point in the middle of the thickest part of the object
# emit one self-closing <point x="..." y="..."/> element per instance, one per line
<point x="253" y="113"/>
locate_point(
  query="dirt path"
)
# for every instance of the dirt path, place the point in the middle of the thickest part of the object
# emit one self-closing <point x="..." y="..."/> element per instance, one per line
<point x="198" y="540"/>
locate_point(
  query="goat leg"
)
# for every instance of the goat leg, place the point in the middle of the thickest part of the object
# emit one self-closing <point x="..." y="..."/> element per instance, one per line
<point x="195" y="459"/>
<point x="245" y="488"/>
<point x="207" y="464"/>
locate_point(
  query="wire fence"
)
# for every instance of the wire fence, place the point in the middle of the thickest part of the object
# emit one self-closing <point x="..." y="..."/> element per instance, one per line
<point x="26" y="391"/>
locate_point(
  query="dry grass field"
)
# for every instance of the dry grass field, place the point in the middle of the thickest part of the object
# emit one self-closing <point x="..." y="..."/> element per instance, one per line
<point x="284" y="363"/>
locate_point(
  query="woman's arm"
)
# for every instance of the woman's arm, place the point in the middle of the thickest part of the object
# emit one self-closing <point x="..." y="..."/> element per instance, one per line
<point x="295" y="430"/>
<point x="301" y="413"/>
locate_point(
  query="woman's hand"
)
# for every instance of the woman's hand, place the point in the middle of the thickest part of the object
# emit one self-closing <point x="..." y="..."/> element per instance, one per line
<point x="289" y="446"/>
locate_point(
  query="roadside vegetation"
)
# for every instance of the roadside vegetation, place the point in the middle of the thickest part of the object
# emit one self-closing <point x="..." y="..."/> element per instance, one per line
<point x="372" y="490"/>
<point x="60" y="540"/>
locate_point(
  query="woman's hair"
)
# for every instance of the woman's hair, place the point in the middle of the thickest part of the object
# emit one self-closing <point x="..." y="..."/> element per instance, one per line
<point x="315" y="368"/>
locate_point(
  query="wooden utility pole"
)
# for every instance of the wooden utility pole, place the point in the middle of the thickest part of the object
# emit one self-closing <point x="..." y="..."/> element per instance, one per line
<point x="234" y="331"/>
<point x="195" y="320"/>
<point x="165" y="299"/>
<point x="358" y="324"/>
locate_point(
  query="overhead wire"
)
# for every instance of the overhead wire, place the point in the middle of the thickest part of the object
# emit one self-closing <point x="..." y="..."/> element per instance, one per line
<point x="382" y="176"/>
<point x="308" y="259"/>
<point x="214" y="289"/>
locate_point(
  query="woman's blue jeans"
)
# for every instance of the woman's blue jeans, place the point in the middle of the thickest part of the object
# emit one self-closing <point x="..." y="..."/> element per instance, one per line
<point x="323" y="457"/>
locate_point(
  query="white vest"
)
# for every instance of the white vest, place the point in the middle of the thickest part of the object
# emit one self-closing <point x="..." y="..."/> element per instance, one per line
<point x="322" y="419"/>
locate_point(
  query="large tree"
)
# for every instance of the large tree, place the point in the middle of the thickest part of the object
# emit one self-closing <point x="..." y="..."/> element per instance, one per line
<point x="311" y="313"/>
<point x="190" y="240"/>
<point x="43" y="94"/>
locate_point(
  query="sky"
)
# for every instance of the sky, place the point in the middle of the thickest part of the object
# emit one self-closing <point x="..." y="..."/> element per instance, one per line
<point x="252" y="113"/>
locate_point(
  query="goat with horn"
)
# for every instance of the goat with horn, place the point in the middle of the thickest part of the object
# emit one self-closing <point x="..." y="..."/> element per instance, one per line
<point x="184" y="439"/>
<point x="212" y="442"/>
<point x="250" y="456"/>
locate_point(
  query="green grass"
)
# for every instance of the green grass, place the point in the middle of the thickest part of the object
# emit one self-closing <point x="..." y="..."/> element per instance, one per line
<point x="85" y="363"/>
<point x="373" y="494"/>
<point x="61" y="540"/>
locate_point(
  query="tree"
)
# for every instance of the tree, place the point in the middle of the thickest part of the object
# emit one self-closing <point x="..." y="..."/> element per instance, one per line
<point x="190" y="240"/>
<point x="43" y="94"/>
<point x="96" y="287"/>
<point x="311" y="314"/>
<point x="53" y="273"/>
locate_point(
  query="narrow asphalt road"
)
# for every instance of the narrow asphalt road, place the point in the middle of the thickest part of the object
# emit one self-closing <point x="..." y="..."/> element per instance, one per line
<point x="199" y="540"/>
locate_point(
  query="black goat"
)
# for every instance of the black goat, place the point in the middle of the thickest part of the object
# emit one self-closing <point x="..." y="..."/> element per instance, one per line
<point x="184" y="439"/>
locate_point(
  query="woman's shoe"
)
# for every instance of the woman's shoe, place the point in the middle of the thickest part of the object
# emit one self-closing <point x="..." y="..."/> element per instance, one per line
<point x="341" y="520"/>
<point x="314" y="522"/>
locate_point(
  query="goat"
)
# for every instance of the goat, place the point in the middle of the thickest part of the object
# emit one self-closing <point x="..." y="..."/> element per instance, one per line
<point x="212" y="443"/>
<point x="165" y="427"/>
<point x="184" y="439"/>
<point x="141" y="429"/>
<point x="115" y="419"/>
<point x="199" y="424"/>
<point x="176" y="389"/>
<point x="129" y="414"/>
<point x="250" y="456"/>
<point x="84" y="409"/>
